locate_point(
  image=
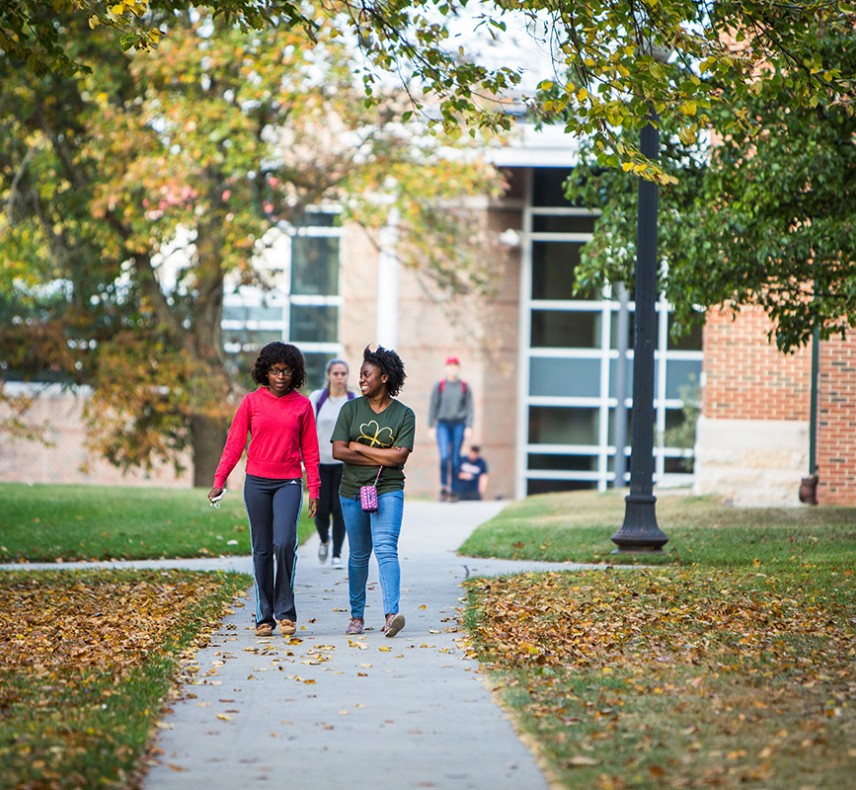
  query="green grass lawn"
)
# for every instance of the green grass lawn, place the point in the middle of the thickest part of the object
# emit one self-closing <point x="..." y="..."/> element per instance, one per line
<point x="728" y="661"/>
<point x="46" y="523"/>
<point x="577" y="527"/>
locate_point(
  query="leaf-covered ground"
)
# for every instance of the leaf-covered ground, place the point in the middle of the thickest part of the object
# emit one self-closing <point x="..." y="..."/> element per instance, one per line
<point x="85" y="660"/>
<point x="677" y="678"/>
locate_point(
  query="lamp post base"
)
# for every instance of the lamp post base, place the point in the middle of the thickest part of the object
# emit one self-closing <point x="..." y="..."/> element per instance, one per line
<point x="639" y="533"/>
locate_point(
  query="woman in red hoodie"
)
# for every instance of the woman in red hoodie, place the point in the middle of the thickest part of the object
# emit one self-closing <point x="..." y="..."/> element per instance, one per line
<point x="281" y="424"/>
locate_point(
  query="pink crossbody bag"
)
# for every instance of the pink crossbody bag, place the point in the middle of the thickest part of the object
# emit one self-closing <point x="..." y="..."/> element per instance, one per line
<point x="368" y="495"/>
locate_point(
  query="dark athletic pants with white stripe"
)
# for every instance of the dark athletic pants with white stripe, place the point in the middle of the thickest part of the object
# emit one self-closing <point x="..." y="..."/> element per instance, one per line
<point x="273" y="507"/>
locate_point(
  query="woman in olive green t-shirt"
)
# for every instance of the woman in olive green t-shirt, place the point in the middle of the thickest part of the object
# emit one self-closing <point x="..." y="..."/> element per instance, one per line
<point x="375" y="433"/>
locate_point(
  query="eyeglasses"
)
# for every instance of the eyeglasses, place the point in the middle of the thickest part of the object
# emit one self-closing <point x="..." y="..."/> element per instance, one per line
<point x="279" y="372"/>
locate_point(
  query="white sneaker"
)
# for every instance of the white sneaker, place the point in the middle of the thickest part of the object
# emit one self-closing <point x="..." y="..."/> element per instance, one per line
<point x="324" y="551"/>
<point x="336" y="563"/>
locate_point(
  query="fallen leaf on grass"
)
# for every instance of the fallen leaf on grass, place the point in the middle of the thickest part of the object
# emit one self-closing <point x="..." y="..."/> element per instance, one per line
<point x="580" y="761"/>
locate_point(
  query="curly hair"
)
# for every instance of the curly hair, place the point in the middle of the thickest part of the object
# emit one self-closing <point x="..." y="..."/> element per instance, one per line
<point x="390" y="363"/>
<point x="282" y="354"/>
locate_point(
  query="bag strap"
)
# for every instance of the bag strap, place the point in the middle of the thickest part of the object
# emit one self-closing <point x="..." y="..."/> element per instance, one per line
<point x="379" y="470"/>
<point x="325" y="393"/>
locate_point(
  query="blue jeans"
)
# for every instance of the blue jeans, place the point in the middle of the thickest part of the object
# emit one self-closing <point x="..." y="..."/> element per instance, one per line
<point x="274" y="508"/>
<point x="450" y="437"/>
<point x="378" y="531"/>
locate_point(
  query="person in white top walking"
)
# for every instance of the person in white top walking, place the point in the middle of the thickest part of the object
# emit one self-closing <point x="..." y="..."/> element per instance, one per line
<point x="327" y="403"/>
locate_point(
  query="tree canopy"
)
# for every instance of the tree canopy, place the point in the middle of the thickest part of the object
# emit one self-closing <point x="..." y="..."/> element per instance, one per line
<point x="611" y="61"/>
<point x="764" y="215"/>
<point x="196" y="151"/>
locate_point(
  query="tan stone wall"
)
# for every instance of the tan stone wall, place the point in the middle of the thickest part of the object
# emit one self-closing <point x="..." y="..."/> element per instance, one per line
<point x="751" y="462"/>
<point x="64" y="459"/>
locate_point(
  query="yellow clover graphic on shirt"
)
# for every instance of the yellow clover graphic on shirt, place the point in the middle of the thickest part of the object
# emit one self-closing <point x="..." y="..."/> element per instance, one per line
<point x="374" y="435"/>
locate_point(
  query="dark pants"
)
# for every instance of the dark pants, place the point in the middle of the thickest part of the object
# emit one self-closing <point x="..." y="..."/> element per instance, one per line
<point x="329" y="505"/>
<point x="274" y="508"/>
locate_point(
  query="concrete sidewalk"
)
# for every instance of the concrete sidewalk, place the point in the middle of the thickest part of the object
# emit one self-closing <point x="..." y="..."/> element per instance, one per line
<point x="325" y="710"/>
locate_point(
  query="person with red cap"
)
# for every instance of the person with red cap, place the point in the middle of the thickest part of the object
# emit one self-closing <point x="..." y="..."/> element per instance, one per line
<point x="450" y="421"/>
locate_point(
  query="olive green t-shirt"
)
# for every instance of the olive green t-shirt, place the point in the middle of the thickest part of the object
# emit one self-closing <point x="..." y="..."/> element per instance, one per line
<point x="395" y="426"/>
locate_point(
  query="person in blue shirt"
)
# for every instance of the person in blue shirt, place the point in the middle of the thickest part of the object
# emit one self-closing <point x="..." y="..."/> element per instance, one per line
<point x="472" y="475"/>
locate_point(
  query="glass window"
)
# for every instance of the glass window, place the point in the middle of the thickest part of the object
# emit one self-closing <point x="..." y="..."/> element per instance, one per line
<point x="564" y="378"/>
<point x="678" y="466"/>
<point x="554" y="486"/>
<point x="553" y="265"/>
<point x="689" y="341"/>
<point x="318" y="219"/>
<point x="558" y="425"/>
<point x="628" y="377"/>
<point x="611" y="427"/>
<point x="565" y="329"/>
<point x="675" y="418"/>
<point x="548" y="186"/>
<point x="314" y="323"/>
<point x="562" y="223"/>
<point x="546" y="462"/>
<point x="315" y="265"/>
<point x="248" y="312"/>
<point x="610" y="465"/>
<point x="681" y="373"/>
<point x="316" y="366"/>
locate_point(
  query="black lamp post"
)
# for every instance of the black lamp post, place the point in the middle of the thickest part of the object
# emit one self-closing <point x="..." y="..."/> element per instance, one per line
<point x="640" y="532"/>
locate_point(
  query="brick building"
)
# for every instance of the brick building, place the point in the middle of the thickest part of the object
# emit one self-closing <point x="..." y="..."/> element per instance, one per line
<point x="754" y="435"/>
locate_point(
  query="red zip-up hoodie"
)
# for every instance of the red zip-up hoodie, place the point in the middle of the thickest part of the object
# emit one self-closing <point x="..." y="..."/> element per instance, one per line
<point x="282" y="433"/>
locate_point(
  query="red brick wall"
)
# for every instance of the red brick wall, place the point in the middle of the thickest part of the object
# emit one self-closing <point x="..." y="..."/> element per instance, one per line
<point x="746" y="377"/>
<point x="836" y="418"/>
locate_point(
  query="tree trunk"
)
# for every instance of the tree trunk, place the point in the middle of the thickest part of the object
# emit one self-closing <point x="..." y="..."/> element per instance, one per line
<point x="208" y="440"/>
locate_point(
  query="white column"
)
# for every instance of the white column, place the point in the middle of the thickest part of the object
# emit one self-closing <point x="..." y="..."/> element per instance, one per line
<point x="388" y="272"/>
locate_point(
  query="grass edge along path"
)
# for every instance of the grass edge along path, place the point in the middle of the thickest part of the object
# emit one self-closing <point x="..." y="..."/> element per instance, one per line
<point x="88" y="661"/>
<point x="577" y="526"/>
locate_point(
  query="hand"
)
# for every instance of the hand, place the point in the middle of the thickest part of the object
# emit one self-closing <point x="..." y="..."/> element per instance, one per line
<point x="313" y="506"/>
<point x="214" y="493"/>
